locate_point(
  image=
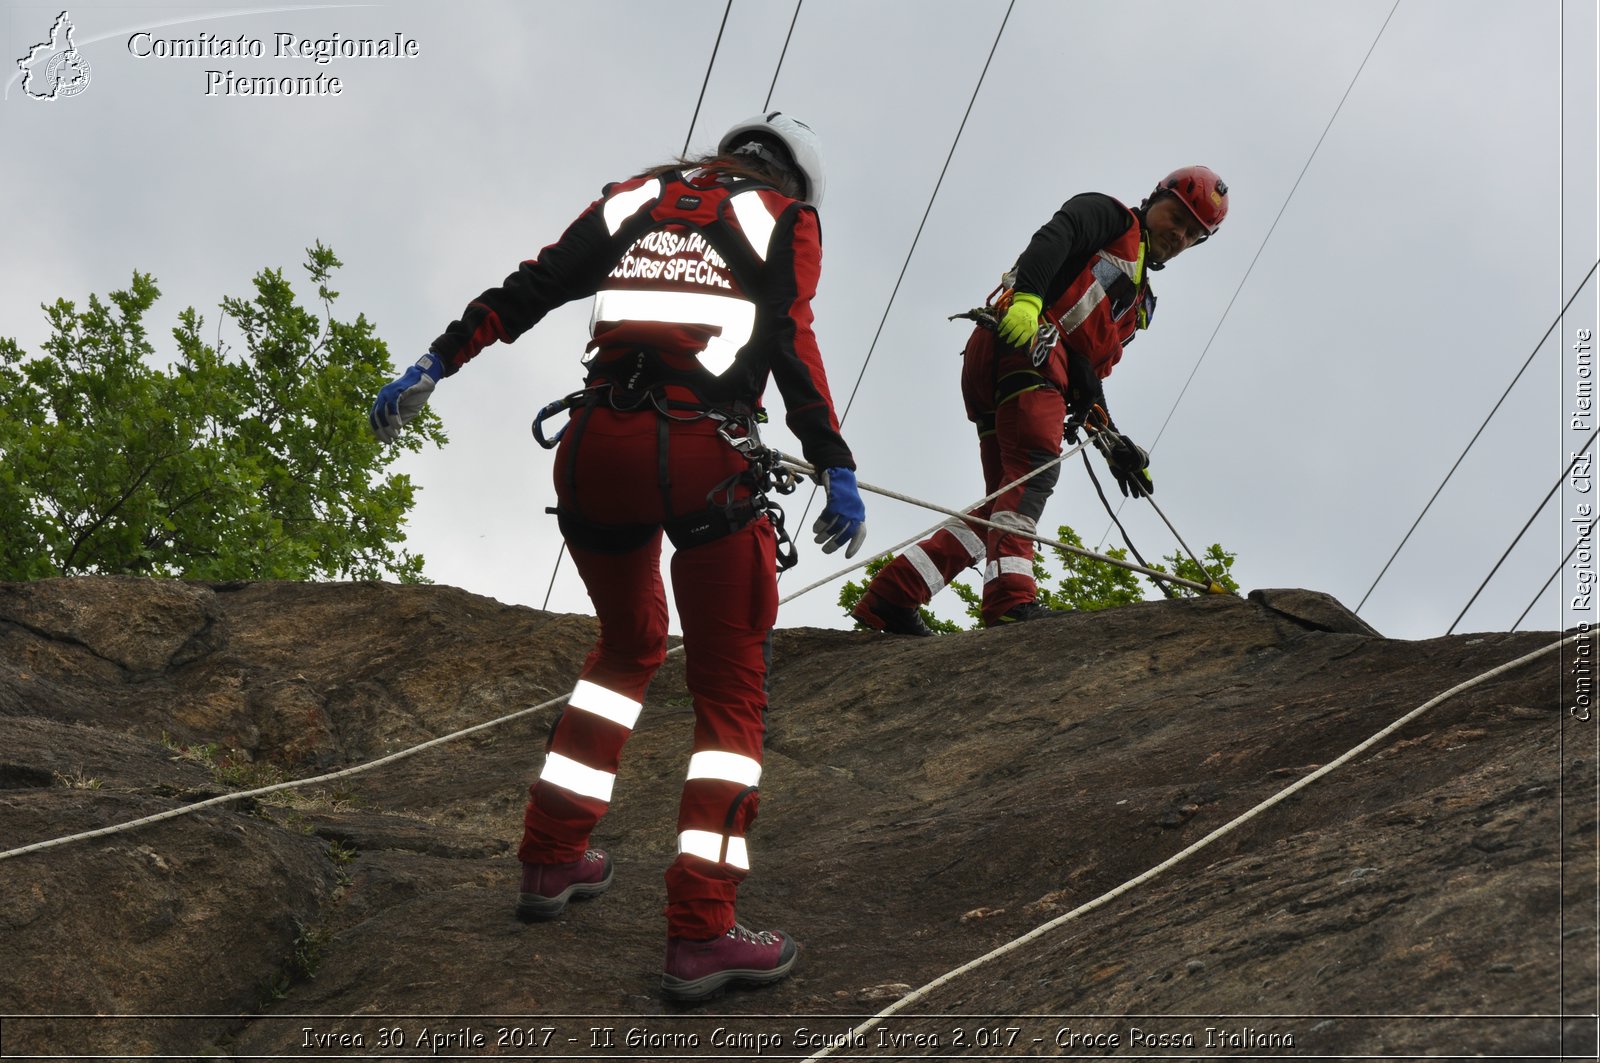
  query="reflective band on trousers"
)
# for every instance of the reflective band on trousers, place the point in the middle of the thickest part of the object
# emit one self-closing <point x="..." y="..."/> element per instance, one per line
<point x="624" y="205"/>
<point x="1011" y="520"/>
<point x="725" y="767"/>
<point x="925" y="568"/>
<point x="734" y="317"/>
<point x="1007" y="566"/>
<point x="579" y="778"/>
<point x="964" y="535"/>
<point x="607" y="704"/>
<point x="708" y="846"/>
<point x="756" y="221"/>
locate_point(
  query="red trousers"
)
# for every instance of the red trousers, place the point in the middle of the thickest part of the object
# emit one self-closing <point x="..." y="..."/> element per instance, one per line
<point x="1019" y="420"/>
<point x="614" y="486"/>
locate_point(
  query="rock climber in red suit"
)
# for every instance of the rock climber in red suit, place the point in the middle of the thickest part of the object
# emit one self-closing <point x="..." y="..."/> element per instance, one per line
<point x="703" y="273"/>
<point x="1077" y="297"/>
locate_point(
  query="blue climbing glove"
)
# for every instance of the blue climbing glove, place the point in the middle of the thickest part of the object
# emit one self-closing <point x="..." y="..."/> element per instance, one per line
<point x="400" y="400"/>
<point x="1021" y="322"/>
<point x="844" y="518"/>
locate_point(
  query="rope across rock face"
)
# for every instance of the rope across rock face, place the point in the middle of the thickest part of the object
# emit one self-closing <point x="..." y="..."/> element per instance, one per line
<point x="1227" y="828"/>
<point x="357" y="769"/>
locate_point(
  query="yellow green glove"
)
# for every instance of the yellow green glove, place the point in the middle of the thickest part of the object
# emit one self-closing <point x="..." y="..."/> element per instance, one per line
<point x="1017" y="328"/>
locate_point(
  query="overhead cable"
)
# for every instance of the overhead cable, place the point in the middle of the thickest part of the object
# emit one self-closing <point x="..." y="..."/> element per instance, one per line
<point x="768" y="102"/>
<point x="1578" y="456"/>
<point x="707" y="80"/>
<point x="1270" y="230"/>
<point x="913" y="249"/>
<point x="1526" y="362"/>
<point x="1584" y="535"/>
<point x="693" y="120"/>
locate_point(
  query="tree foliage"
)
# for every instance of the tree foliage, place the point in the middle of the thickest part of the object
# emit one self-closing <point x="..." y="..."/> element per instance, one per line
<point x="1081" y="582"/>
<point x="258" y="465"/>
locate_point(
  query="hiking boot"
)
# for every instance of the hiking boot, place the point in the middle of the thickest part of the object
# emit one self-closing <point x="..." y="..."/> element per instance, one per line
<point x="546" y="888"/>
<point x="697" y="970"/>
<point x="872" y="611"/>
<point x="1018" y="614"/>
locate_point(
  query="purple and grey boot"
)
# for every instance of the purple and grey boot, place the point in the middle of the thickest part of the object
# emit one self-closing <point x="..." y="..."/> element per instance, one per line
<point x="697" y="970"/>
<point x="546" y="888"/>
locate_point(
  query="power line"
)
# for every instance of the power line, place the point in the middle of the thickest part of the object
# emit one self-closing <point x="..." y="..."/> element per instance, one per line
<point x="1587" y="444"/>
<point x="1588" y="529"/>
<point x="1270" y="230"/>
<point x="560" y="553"/>
<point x="693" y="120"/>
<point x="1528" y="361"/>
<point x="713" y="62"/>
<point x="907" y="264"/>
<point x="1207" y="349"/>
<point x="768" y="102"/>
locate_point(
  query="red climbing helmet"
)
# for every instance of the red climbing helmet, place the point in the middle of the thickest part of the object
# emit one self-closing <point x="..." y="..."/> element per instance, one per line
<point x="1201" y="190"/>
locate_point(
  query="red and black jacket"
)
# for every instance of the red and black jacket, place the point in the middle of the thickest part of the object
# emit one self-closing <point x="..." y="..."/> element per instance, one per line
<point x="709" y="276"/>
<point x="1087" y="265"/>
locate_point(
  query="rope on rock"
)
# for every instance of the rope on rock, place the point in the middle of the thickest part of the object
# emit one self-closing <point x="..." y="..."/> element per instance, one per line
<point x="355" y="769"/>
<point x="1227" y="828"/>
<point x="293" y="784"/>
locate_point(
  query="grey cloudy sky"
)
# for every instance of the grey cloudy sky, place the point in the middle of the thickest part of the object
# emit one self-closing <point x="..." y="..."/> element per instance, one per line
<point x="1446" y="217"/>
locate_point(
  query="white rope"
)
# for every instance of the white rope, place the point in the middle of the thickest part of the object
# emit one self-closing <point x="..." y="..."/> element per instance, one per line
<point x="1024" y="478"/>
<point x="224" y="799"/>
<point x="1106" y="898"/>
<point x="1168" y="577"/>
<point x="293" y="784"/>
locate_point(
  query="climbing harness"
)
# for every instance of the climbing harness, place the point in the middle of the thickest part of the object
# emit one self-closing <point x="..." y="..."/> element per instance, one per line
<point x="766" y="474"/>
<point x="994" y="307"/>
<point x="1094" y="420"/>
<point x="725" y="512"/>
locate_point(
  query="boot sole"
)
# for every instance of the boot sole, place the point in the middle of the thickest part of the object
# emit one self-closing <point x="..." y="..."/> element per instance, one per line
<point x="870" y="621"/>
<point x="873" y="622"/>
<point x="532" y="908"/>
<point x="691" y="991"/>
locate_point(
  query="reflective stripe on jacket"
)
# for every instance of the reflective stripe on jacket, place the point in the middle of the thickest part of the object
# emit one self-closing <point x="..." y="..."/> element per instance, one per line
<point x="1104" y="306"/>
<point x="714" y="275"/>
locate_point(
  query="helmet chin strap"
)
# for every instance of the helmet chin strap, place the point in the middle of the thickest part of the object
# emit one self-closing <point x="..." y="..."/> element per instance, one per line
<point x="1144" y="237"/>
<point x="776" y="159"/>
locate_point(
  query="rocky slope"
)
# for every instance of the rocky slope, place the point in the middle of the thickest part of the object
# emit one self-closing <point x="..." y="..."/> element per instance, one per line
<point x="926" y="802"/>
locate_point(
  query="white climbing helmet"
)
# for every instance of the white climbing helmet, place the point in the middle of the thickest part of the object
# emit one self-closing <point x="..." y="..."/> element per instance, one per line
<point x="795" y="136"/>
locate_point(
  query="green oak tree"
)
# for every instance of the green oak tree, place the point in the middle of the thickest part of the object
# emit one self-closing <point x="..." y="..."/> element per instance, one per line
<point x="225" y="464"/>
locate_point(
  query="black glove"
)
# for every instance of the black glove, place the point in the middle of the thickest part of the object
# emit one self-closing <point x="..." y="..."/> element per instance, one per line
<point x="1129" y="464"/>
<point x="1085" y="391"/>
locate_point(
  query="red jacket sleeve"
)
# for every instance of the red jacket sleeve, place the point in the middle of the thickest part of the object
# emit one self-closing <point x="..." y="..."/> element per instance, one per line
<point x="571" y="268"/>
<point x="796" y="362"/>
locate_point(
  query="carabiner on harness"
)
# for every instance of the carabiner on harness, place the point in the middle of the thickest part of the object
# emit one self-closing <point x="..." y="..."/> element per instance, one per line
<point x="766" y="473"/>
<point x="566" y="402"/>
